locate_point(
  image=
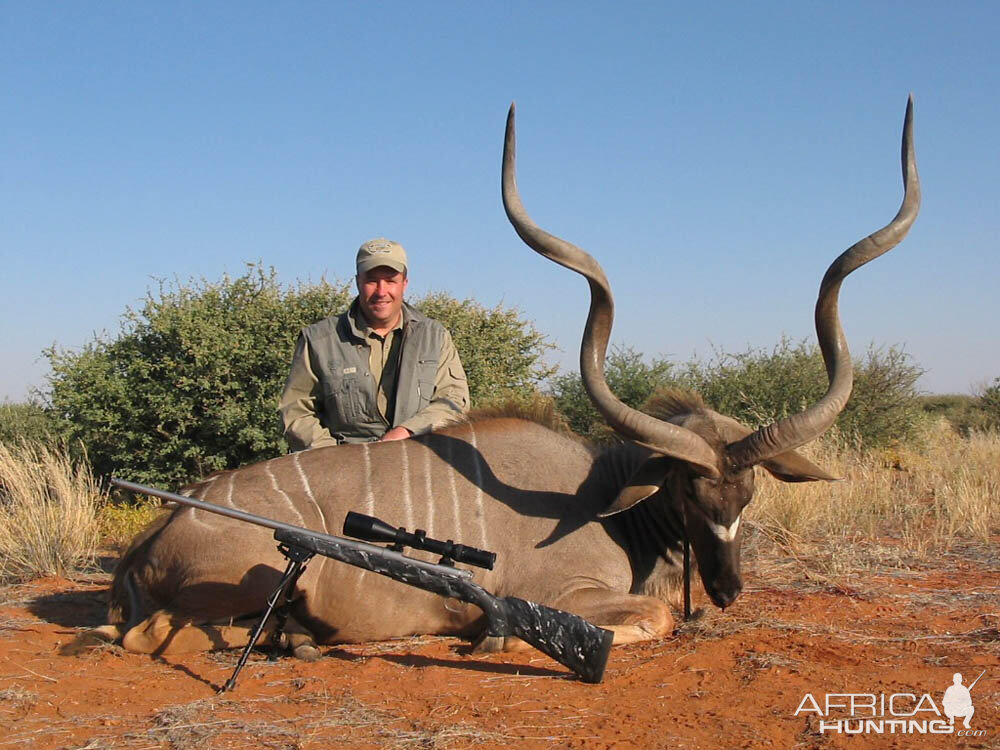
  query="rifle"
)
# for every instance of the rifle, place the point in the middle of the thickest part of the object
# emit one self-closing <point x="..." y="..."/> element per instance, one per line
<point x="567" y="638"/>
<point x="976" y="680"/>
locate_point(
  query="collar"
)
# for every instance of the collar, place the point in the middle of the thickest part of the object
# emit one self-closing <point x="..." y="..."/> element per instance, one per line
<point x="359" y="325"/>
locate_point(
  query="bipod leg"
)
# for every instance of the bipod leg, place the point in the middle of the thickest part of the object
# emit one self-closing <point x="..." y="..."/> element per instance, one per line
<point x="297" y="559"/>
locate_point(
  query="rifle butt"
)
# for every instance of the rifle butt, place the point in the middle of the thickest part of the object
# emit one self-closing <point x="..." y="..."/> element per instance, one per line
<point x="567" y="638"/>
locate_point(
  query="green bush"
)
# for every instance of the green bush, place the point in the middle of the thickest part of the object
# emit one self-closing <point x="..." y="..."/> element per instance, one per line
<point x="191" y="383"/>
<point x="884" y="408"/>
<point x="26" y="422"/>
<point x="962" y="411"/>
<point x="989" y="404"/>
<point x="502" y="354"/>
<point x="630" y="378"/>
<point x="761" y="386"/>
<point x="758" y="386"/>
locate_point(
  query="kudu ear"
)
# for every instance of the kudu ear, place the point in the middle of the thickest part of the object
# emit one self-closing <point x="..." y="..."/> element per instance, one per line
<point x="645" y="482"/>
<point x="792" y="467"/>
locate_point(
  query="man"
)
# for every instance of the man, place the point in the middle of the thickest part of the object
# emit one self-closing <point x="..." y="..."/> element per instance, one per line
<point x="380" y="371"/>
<point x="958" y="700"/>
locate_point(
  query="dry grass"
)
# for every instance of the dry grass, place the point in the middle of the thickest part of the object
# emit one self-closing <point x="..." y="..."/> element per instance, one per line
<point x="17" y="697"/>
<point x="325" y="721"/>
<point x="928" y="497"/>
<point x="48" y="513"/>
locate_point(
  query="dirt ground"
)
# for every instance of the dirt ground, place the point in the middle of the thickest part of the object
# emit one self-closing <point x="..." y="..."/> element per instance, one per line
<point x="738" y="678"/>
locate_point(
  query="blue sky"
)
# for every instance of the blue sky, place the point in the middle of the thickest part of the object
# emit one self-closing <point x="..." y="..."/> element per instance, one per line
<point x="714" y="159"/>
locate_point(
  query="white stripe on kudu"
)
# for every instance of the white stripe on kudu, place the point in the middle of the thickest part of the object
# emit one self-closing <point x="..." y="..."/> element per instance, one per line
<point x="309" y="493"/>
<point x="282" y="493"/>
<point x="456" y="509"/>
<point x="197" y="515"/>
<point x="429" y="492"/>
<point x="404" y="463"/>
<point x="357" y="574"/>
<point x="477" y="476"/>
<point x="210" y="519"/>
<point x="369" y="492"/>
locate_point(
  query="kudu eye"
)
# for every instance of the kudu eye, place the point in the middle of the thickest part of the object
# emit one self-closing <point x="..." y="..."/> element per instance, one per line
<point x="707" y="482"/>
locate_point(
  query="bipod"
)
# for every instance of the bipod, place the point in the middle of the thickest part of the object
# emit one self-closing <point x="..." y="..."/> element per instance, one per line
<point x="297" y="560"/>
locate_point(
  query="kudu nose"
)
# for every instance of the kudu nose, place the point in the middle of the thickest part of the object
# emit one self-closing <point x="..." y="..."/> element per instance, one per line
<point x="723" y="597"/>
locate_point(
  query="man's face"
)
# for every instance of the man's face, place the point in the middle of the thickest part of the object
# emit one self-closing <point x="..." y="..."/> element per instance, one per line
<point x="380" y="293"/>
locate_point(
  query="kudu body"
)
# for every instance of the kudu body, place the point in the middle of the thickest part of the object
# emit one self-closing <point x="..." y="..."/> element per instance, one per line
<point x="595" y="533"/>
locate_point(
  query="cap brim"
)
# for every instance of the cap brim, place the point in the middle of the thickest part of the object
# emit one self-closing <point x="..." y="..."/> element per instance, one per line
<point x="368" y="265"/>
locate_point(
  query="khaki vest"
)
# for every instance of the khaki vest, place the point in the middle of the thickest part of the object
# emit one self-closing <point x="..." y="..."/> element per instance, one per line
<point x="340" y="360"/>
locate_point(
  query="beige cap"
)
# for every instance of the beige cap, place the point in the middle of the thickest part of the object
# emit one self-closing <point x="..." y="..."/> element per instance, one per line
<point x="381" y="252"/>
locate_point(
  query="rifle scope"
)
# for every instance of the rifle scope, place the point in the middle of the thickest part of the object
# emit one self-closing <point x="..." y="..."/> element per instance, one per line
<point x="371" y="529"/>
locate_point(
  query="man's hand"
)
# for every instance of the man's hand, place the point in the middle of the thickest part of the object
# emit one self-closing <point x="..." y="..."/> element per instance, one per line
<point x="396" y="433"/>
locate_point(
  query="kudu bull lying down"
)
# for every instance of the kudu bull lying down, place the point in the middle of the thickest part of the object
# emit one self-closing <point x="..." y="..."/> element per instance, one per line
<point x="599" y="534"/>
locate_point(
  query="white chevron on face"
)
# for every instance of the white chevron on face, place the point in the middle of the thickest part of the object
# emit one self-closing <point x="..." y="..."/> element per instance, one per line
<point x="725" y="533"/>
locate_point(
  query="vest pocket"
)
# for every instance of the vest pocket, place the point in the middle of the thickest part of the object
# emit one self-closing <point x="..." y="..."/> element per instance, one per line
<point x="426" y="375"/>
<point x="343" y="400"/>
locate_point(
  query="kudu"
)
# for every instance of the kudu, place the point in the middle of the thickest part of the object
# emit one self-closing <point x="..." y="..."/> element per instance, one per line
<point x="597" y="533"/>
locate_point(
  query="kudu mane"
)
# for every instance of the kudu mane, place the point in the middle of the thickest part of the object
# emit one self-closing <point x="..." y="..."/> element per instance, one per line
<point x="664" y="404"/>
<point x="672" y="402"/>
<point x="539" y="410"/>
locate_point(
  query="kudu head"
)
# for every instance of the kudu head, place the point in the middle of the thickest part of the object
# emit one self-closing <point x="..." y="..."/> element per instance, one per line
<point x="700" y="457"/>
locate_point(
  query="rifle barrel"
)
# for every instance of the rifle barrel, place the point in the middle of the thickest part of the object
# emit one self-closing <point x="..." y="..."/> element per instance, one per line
<point x="239" y="515"/>
<point x="270" y="523"/>
<point x="977" y="680"/>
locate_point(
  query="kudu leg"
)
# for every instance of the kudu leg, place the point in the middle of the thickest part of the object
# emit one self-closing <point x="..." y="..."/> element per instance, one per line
<point x="164" y="634"/>
<point x="88" y="640"/>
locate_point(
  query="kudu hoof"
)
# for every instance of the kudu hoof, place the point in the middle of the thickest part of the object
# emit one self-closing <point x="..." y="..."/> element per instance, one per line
<point x="488" y="644"/>
<point x="306" y="652"/>
<point x="105" y="635"/>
